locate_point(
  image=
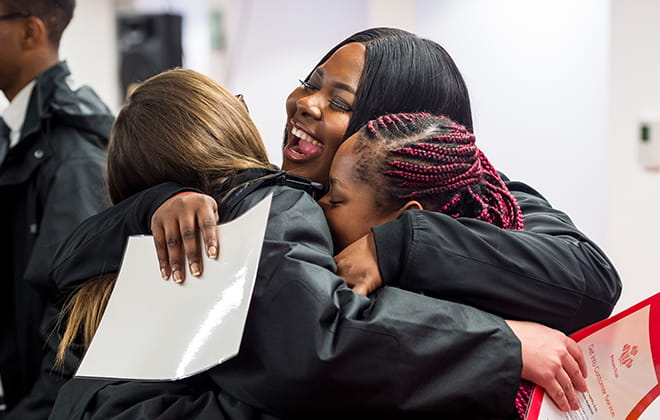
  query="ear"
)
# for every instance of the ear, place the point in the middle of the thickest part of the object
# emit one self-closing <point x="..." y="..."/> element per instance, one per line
<point x="35" y="34"/>
<point x="410" y="205"/>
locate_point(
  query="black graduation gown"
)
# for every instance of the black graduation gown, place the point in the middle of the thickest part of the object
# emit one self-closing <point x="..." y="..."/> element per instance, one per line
<point x="311" y="344"/>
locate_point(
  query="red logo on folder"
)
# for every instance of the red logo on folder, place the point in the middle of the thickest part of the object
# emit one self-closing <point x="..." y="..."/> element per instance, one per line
<point x="627" y="354"/>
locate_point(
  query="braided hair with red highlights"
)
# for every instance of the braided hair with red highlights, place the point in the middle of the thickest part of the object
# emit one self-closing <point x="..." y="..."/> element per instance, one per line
<point x="435" y="161"/>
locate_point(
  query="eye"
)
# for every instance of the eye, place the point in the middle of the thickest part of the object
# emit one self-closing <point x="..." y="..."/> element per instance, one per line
<point x="335" y="202"/>
<point x="339" y="105"/>
<point x="308" y="85"/>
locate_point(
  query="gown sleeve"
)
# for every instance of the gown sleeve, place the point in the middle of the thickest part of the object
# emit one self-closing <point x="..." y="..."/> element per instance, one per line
<point x="96" y="246"/>
<point x="313" y="345"/>
<point x="549" y="273"/>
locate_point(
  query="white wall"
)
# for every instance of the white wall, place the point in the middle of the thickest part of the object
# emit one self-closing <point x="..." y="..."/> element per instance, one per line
<point x="538" y="79"/>
<point x="634" y="194"/>
<point x="89" y="45"/>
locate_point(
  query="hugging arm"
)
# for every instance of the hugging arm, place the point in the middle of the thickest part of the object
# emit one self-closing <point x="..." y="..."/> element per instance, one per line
<point x="312" y="344"/>
<point x="103" y="237"/>
<point x="549" y="273"/>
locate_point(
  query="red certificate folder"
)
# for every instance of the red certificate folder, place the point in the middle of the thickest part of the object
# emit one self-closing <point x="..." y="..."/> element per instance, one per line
<point x="623" y="359"/>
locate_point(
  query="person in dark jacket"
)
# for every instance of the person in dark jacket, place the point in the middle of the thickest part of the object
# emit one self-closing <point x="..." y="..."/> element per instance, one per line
<point x="52" y="156"/>
<point x="416" y="161"/>
<point x="311" y="345"/>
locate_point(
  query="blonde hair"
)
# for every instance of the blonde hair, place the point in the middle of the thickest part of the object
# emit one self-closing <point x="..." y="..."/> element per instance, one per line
<point x="177" y="126"/>
<point x="82" y="313"/>
<point x="184" y="127"/>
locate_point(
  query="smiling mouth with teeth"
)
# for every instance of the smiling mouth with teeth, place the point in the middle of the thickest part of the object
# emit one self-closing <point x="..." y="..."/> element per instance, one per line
<point x="303" y="145"/>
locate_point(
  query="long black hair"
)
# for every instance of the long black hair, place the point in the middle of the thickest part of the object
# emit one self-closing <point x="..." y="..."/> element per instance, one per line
<point x="405" y="73"/>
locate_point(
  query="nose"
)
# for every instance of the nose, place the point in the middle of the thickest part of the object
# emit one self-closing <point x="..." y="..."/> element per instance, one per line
<point x="308" y="106"/>
<point x="324" y="202"/>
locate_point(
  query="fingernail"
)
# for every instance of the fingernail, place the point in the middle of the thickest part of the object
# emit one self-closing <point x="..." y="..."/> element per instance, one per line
<point x="194" y="269"/>
<point x="212" y="251"/>
<point x="163" y="274"/>
<point x="178" y="277"/>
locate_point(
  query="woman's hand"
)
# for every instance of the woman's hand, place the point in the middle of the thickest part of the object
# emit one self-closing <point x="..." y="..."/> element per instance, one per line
<point x="357" y="264"/>
<point x="553" y="361"/>
<point x="175" y="225"/>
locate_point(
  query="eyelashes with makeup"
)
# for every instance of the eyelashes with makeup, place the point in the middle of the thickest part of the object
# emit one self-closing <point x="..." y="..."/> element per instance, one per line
<point x="333" y="102"/>
<point x="307" y="85"/>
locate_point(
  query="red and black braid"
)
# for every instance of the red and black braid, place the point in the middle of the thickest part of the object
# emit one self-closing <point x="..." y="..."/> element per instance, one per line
<point x="434" y="160"/>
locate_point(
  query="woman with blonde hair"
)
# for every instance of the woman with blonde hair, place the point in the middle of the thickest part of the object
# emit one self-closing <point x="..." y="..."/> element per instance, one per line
<point x="311" y="345"/>
<point x="179" y="126"/>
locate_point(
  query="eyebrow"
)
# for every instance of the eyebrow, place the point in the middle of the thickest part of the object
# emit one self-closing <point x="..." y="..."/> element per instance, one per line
<point x="338" y="85"/>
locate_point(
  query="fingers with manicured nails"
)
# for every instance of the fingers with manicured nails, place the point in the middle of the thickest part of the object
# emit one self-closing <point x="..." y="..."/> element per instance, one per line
<point x="161" y="251"/>
<point x="175" y="252"/>
<point x="175" y="225"/>
<point x="188" y="231"/>
<point x="207" y="220"/>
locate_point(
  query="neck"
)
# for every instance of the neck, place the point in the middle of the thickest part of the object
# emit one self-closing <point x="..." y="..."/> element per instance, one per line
<point x="31" y="71"/>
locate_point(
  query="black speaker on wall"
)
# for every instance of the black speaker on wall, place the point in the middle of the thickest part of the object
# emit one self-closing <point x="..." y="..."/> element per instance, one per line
<point x="148" y="45"/>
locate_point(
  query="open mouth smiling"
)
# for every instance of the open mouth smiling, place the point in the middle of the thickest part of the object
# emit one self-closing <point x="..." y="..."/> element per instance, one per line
<point x="301" y="145"/>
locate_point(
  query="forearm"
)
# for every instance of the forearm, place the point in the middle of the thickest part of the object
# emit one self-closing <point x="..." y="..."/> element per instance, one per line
<point x="550" y="273"/>
<point x="97" y="245"/>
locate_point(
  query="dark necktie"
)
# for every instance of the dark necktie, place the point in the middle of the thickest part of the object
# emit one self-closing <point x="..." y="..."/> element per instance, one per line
<point x="4" y="140"/>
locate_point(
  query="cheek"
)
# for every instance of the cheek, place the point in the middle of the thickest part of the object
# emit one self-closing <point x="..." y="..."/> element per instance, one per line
<point x="291" y="102"/>
<point x="333" y="218"/>
<point x="339" y="227"/>
<point x="350" y="227"/>
<point x="336" y="128"/>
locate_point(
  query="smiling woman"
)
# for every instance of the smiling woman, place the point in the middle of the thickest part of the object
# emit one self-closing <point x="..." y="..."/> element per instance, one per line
<point x="319" y="111"/>
<point x="371" y="73"/>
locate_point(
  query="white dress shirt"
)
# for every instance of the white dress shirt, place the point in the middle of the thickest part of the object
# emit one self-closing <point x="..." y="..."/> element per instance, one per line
<point x="14" y="114"/>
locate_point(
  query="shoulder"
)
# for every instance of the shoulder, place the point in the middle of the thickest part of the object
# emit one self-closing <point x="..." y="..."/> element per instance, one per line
<point x="287" y="203"/>
<point x="294" y="217"/>
<point x="73" y="120"/>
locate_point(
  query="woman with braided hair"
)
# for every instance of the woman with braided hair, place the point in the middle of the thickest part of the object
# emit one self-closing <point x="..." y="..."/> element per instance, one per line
<point x="401" y="162"/>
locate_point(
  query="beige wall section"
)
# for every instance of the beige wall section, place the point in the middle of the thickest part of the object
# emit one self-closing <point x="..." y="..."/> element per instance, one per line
<point x="634" y="194"/>
<point x="90" y="47"/>
<point x="399" y="14"/>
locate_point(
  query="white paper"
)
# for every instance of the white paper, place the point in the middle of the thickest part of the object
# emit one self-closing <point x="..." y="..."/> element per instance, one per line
<point x="159" y="330"/>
